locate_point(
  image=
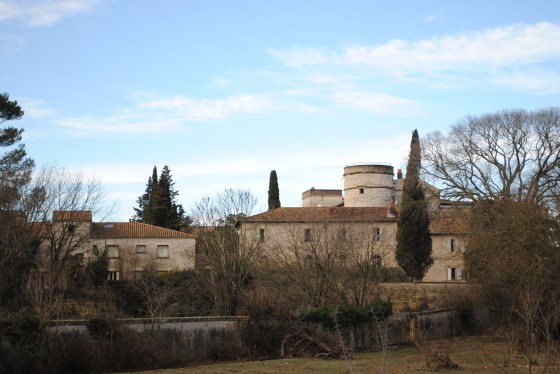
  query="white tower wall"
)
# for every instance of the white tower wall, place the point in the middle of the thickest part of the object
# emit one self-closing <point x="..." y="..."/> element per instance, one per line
<point x="368" y="185"/>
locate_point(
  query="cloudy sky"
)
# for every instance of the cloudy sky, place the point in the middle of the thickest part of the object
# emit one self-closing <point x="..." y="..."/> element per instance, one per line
<point x="224" y="91"/>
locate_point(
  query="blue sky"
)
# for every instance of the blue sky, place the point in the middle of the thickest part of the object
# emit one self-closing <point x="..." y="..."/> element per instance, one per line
<point x="225" y="91"/>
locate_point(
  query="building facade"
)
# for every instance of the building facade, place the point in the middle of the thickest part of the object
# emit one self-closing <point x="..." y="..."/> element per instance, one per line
<point x="359" y="224"/>
<point x="132" y="247"/>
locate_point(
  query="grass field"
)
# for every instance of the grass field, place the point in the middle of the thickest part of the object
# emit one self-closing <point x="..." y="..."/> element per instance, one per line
<point x="473" y="355"/>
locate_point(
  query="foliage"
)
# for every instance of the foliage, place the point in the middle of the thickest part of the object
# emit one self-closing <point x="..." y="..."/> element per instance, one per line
<point x="345" y="315"/>
<point x="273" y="191"/>
<point x="513" y="262"/>
<point x="15" y="166"/>
<point x="414" y="243"/>
<point x="20" y="351"/>
<point x="97" y="268"/>
<point x="158" y="205"/>
<point x="439" y="361"/>
<point x="16" y="240"/>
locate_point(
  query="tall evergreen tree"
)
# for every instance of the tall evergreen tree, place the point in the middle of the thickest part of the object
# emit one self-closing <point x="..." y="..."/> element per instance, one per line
<point x="144" y="211"/>
<point x="273" y="191"/>
<point x="15" y="166"/>
<point x="414" y="243"/>
<point x="158" y="206"/>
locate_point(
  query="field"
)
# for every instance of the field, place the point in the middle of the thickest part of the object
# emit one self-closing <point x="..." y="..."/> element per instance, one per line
<point x="473" y="355"/>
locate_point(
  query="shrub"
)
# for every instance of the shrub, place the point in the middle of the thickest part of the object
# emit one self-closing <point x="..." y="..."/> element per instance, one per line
<point x="345" y="315"/>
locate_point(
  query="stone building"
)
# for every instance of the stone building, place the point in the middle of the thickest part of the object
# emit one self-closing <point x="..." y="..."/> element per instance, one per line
<point x="132" y="247"/>
<point x="361" y="218"/>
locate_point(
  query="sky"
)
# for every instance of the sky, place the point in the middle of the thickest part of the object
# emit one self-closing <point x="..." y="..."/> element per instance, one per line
<point x="223" y="92"/>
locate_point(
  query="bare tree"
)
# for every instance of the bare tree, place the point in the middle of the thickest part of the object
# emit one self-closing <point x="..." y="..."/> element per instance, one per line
<point x="331" y="262"/>
<point x="366" y="254"/>
<point x="512" y="153"/>
<point x="228" y="257"/>
<point x="309" y="256"/>
<point x="59" y="206"/>
<point x="513" y="263"/>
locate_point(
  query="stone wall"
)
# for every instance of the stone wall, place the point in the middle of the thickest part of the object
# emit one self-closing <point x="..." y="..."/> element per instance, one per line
<point x="421" y="295"/>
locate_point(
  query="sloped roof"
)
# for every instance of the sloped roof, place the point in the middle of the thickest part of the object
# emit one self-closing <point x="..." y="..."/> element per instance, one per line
<point x="72" y="215"/>
<point x="324" y="214"/>
<point x="114" y="230"/>
<point x="449" y="225"/>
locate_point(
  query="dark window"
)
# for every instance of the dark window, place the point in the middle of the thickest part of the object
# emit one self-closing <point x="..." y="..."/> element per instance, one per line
<point x="342" y="234"/>
<point x="377" y="234"/>
<point x="307" y="235"/>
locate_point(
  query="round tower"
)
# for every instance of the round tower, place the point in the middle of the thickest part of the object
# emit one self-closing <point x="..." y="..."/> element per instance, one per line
<point x="368" y="185"/>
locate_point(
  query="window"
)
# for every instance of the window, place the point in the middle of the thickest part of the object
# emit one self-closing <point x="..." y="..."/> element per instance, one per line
<point x="71" y="229"/>
<point x="453" y="274"/>
<point x="163" y="251"/>
<point x="139" y="274"/>
<point x="377" y="234"/>
<point x="361" y="190"/>
<point x="95" y="249"/>
<point x="113" y="251"/>
<point x="377" y="261"/>
<point x="113" y="275"/>
<point x="342" y="234"/>
<point x="307" y="235"/>
<point x="453" y="245"/>
<point x="260" y="236"/>
<point x="308" y="260"/>
<point x="140" y="248"/>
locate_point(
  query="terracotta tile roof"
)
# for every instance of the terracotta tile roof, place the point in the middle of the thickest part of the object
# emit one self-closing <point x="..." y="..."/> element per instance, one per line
<point x="72" y="215"/>
<point x="449" y="225"/>
<point x="102" y="230"/>
<point x="324" y="214"/>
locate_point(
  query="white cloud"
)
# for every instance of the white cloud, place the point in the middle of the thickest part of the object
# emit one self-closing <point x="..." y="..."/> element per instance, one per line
<point x="167" y="114"/>
<point x="300" y="56"/>
<point x="377" y="102"/>
<point x="430" y="18"/>
<point x="206" y="110"/>
<point x="505" y="46"/>
<point x="452" y="57"/>
<point x="502" y="46"/>
<point x="36" y="108"/>
<point x="44" y="12"/>
<point x="538" y="81"/>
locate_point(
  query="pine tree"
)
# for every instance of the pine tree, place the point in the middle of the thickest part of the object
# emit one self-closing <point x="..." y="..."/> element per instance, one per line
<point x="158" y="206"/>
<point x="414" y="243"/>
<point x="273" y="191"/>
<point x="15" y="166"/>
<point x="143" y="212"/>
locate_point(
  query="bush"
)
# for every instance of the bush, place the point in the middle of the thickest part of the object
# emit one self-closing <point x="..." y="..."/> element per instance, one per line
<point x="20" y="343"/>
<point x="345" y="315"/>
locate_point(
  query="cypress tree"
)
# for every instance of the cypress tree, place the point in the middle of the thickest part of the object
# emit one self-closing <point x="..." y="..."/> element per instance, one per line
<point x="273" y="191"/>
<point x="414" y="243"/>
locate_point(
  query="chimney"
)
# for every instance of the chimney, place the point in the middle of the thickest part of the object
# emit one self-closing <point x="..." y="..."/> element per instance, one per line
<point x="399" y="174"/>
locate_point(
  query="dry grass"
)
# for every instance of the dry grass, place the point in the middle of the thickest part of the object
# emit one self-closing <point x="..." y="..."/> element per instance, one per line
<point x="473" y="355"/>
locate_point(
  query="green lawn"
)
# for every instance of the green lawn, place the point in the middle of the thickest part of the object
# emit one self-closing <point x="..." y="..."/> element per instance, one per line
<point x="473" y="355"/>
